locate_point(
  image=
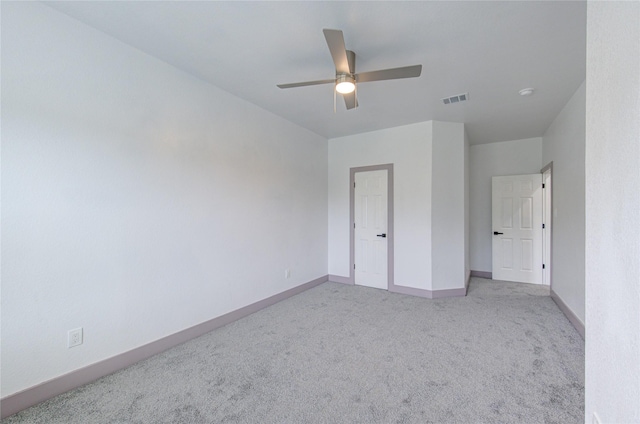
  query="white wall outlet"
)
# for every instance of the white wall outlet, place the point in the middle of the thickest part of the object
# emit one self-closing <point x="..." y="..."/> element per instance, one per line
<point x="74" y="337"/>
<point x="596" y="419"/>
<point x="287" y="273"/>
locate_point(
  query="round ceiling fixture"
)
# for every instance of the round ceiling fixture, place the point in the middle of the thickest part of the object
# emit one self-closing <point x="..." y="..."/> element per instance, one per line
<point x="526" y="92"/>
<point x="345" y="84"/>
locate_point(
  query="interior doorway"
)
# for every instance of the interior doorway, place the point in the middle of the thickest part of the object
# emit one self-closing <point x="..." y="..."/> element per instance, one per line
<point x="517" y="228"/>
<point x="371" y="222"/>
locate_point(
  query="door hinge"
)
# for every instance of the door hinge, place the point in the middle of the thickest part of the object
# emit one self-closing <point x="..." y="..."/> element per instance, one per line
<point x="542" y="225"/>
<point x="354" y="266"/>
<point x="543" y="266"/>
<point x="354" y="184"/>
<point x="542" y="185"/>
<point x="354" y="225"/>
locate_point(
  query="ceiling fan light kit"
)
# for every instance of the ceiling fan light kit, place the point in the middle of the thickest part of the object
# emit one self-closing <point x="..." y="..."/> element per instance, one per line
<point x="346" y="77"/>
<point x="345" y="84"/>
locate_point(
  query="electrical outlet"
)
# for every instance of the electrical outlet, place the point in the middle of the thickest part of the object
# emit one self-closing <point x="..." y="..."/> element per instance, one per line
<point x="287" y="273"/>
<point x="74" y="337"/>
<point x="596" y="419"/>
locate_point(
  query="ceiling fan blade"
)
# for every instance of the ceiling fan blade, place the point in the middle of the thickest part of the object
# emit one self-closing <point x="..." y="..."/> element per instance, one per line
<point x="303" y="84"/>
<point x="350" y="100"/>
<point x="335" y="41"/>
<point x="387" y="74"/>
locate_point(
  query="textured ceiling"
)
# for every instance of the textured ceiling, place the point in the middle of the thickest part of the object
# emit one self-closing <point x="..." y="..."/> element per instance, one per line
<point x="489" y="49"/>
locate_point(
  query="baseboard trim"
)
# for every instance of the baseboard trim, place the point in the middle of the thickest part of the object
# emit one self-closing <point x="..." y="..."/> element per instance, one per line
<point x="341" y="280"/>
<point x="429" y="294"/>
<point x="573" y="319"/>
<point x="438" y="294"/>
<point x="411" y="291"/>
<point x="31" y="396"/>
<point x="482" y="274"/>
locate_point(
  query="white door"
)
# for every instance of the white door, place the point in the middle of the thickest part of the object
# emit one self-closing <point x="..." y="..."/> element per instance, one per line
<point x="517" y="228"/>
<point x="370" y="232"/>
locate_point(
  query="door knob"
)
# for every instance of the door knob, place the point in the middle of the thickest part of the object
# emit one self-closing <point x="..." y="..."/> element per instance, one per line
<point x="495" y="233"/>
<point x="382" y="235"/>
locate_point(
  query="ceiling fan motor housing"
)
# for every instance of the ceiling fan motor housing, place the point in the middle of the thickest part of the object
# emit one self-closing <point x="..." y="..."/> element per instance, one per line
<point x="346" y="83"/>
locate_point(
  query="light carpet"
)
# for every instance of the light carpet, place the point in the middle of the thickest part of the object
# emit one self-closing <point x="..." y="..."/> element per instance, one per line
<point x="349" y="354"/>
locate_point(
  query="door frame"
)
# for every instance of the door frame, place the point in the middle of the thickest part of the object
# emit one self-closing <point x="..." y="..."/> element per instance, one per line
<point x="549" y="168"/>
<point x="352" y="179"/>
<point x="537" y="237"/>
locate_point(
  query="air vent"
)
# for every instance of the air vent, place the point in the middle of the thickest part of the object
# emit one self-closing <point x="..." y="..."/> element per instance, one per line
<point x="456" y="99"/>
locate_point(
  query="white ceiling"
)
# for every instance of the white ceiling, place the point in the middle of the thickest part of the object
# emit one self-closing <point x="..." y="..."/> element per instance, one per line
<point x="489" y="49"/>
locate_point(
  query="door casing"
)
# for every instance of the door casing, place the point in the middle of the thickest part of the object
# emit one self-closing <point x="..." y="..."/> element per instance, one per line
<point x="390" y="233"/>
<point x="523" y="231"/>
<point x="548" y="216"/>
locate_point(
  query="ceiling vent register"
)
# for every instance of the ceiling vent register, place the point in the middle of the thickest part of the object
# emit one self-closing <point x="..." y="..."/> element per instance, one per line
<point x="456" y="99"/>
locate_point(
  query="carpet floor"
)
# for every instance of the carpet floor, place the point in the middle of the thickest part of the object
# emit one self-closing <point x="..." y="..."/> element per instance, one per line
<point x="349" y="354"/>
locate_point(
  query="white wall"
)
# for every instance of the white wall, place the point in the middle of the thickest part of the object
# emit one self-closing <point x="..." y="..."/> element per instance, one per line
<point x="409" y="149"/>
<point x="137" y="201"/>
<point x="448" y="206"/>
<point x="429" y="200"/>
<point x="485" y="161"/>
<point x="563" y="143"/>
<point x="613" y="212"/>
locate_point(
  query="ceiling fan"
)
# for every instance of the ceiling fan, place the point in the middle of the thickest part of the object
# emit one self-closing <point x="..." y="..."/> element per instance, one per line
<point x="346" y="78"/>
